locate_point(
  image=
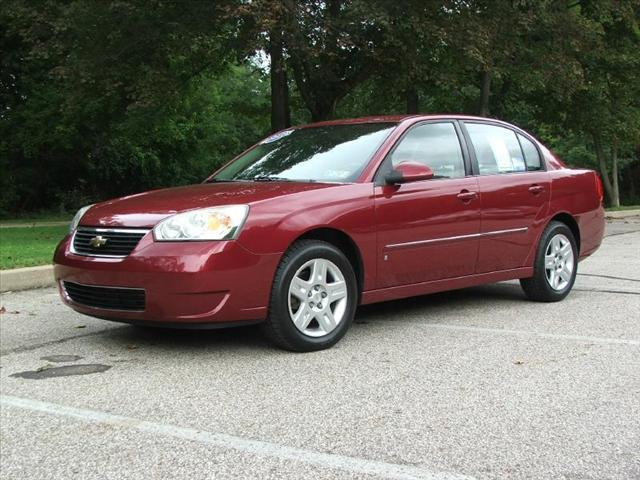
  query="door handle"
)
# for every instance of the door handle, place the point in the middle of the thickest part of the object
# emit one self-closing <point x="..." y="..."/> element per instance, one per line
<point x="466" y="196"/>
<point x="536" y="189"/>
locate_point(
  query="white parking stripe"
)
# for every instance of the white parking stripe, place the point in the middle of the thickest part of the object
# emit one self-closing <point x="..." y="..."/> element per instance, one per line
<point x="557" y="336"/>
<point x="254" y="447"/>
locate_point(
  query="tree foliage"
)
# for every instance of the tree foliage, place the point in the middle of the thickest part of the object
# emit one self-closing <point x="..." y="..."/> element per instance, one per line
<point x="605" y="108"/>
<point x="100" y="99"/>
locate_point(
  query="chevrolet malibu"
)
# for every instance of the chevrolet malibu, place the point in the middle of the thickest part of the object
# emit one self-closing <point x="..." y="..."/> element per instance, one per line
<point x="313" y="221"/>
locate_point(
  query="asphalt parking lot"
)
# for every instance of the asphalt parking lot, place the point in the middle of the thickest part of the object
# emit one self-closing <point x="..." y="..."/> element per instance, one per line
<point x="477" y="383"/>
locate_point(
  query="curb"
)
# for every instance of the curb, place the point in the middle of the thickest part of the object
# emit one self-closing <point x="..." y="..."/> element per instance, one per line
<point x="26" y="278"/>
<point x="622" y="214"/>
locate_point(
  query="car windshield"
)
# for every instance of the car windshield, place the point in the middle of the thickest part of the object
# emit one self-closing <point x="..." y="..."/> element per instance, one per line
<point x="336" y="153"/>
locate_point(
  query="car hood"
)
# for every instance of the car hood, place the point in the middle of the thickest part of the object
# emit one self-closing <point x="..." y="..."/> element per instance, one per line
<point x="144" y="210"/>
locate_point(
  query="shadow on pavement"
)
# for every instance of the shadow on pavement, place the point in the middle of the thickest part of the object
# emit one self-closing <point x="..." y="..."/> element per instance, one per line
<point x="481" y="295"/>
<point x="250" y="338"/>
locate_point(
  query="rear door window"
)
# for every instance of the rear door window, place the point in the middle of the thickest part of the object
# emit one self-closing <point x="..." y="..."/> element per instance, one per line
<point x="497" y="149"/>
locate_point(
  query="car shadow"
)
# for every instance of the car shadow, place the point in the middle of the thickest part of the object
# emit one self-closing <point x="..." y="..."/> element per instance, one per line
<point x="481" y="295"/>
<point x="249" y="339"/>
<point x="135" y="337"/>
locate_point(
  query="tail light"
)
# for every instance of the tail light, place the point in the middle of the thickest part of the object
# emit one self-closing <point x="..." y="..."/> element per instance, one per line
<point x="599" y="189"/>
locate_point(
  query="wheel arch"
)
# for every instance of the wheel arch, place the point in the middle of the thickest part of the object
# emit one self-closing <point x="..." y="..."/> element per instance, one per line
<point x="571" y="223"/>
<point x="344" y="243"/>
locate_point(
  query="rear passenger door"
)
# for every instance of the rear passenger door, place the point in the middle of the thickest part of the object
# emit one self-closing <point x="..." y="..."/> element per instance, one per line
<point x="514" y="194"/>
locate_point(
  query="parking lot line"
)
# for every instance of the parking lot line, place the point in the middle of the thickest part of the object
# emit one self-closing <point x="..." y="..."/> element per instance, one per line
<point x="246" y="445"/>
<point x="556" y="336"/>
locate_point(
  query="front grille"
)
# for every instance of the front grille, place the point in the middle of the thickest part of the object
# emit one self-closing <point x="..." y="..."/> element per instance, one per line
<point x="111" y="298"/>
<point x="106" y="242"/>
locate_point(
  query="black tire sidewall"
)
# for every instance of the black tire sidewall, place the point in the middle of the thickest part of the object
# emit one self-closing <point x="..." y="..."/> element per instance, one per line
<point x="279" y="308"/>
<point x="540" y="271"/>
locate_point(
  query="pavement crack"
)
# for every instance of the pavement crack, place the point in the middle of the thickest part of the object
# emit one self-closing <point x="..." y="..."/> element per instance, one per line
<point x="610" y="276"/>
<point x="29" y="348"/>
<point x="621" y="233"/>
<point x="508" y="331"/>
<point x="615" y="292"/>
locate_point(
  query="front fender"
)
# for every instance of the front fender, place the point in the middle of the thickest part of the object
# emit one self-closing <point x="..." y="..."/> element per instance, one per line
<point x="274" y="225"/>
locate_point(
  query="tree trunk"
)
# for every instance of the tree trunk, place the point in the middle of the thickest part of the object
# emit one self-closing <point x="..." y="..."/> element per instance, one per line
<point x="280" y="115"/>
<point x="324" y="109"/>
<point x="614" y="199"/>
<point x="412" y="100"/>
<point x="485" y="90"/>
<point x="615" y="191"/>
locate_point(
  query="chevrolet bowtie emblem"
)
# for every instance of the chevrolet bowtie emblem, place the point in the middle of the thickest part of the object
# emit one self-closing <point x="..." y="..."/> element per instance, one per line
<point x="97" y="242"/>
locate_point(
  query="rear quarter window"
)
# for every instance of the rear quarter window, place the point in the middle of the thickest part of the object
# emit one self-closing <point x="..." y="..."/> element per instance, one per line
<point x="531" y="154"/>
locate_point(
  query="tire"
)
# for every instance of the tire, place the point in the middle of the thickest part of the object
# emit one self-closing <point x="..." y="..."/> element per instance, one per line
<point x="555" y="267"/>
<point x="322" y="309"/>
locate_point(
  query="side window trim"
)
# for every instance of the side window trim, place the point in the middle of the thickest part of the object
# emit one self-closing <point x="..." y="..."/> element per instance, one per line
<point x="464" y="149"/>
<point x="472" y="152"/>
<point x="475" y="169"/>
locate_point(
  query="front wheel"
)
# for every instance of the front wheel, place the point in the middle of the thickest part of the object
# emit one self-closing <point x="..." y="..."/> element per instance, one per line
<point x="555" y="267"/>
<point x="313" y="299"/>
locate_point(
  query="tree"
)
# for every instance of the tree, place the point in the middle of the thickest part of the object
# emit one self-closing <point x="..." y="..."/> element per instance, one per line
<point x="280" y="113"/>
<point x="262" y="25"/>
<point x="414" y="50"/>
<point x="332" y="47"/>
<point x="92" y="91"/>
<point x="606" y="107"/>
<point x="105" y="98"/>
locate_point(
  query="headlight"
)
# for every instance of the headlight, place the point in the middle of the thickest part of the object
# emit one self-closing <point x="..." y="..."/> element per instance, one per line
<point x="78" y="216"/>
<point x="216" y="223"/>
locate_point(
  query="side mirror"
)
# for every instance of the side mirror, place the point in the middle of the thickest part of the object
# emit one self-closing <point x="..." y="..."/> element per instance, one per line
<point x="407" y="172"/>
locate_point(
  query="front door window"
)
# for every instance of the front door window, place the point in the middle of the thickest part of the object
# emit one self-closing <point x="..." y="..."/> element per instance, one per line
<point x="435" y="145"/>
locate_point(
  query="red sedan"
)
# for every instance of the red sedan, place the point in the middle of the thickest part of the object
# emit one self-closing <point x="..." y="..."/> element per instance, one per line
<point x="313" y="221"/>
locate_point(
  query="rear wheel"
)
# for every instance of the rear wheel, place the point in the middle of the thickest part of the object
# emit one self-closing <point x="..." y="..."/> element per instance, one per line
<point x="555" y="267"/>
<point x="313" y="298"/>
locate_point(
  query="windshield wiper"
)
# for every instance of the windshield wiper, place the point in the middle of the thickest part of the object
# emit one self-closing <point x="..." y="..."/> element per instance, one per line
<point x="268" y="178"/>
<point x="223" y="180"/>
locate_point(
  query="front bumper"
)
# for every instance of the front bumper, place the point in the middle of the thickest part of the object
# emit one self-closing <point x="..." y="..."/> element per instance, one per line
<point x="184" y="282"/>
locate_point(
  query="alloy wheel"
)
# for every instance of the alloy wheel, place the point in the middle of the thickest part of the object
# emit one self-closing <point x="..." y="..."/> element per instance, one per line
<point x="318" y="297"/>
<point x="559" y="262"/>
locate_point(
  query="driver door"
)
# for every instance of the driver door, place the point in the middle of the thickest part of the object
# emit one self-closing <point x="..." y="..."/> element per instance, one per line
<point x="427" y="230"/>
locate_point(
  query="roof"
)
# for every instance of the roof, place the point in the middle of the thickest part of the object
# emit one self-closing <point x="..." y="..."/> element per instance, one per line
<point x="393" y="119"/>
<point x="351" y="121"/>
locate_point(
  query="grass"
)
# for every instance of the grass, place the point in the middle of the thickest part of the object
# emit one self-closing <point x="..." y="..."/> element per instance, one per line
<point x="29" y="246"/>
<point x="32" y="246"/>
<point x="31" y="219"/>
<point x="623" y="207"/>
